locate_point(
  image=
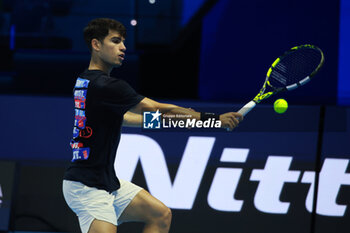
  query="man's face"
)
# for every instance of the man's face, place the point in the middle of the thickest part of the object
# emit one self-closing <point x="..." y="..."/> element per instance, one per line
<point x="112" y="50"/>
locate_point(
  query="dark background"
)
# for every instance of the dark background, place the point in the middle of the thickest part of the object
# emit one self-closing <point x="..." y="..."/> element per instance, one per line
<point x="214" y="50"/>
<point x="204" y="54"/>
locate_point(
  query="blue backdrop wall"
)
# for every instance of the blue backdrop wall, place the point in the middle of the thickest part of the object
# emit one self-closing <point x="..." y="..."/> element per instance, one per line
<point x="344" y="54"/>
<point x="240" y="40"/>
<point x="258" y="178"/>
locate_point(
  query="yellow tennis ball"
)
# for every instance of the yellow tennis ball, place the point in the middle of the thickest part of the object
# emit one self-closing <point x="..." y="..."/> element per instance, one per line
<point x="280" y="106"/>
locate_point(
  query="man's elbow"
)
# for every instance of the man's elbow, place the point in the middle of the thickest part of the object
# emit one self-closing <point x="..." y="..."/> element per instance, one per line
<point x="147" y="105"/>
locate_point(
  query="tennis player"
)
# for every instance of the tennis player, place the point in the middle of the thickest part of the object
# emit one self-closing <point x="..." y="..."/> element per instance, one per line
<point x="104" y="104"/>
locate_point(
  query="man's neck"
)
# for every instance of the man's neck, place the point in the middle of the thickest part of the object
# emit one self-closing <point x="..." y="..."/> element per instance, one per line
<point x="97" y="64"/>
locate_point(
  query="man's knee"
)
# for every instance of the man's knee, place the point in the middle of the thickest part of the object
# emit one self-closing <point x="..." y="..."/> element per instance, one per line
<point x="167" y="217"/>
<point x="163" y="218"/>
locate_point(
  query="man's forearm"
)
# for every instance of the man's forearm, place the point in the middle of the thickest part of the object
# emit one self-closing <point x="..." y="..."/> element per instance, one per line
<point x="170" y="110"/>
<point x="134" y="117"/>
<point x="150" y="105"/>
<point x="181" y="113"/>
<point x="132" y="120"/>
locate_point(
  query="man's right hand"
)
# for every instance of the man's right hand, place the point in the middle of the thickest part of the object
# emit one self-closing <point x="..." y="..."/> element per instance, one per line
<point x="230" y="120"/>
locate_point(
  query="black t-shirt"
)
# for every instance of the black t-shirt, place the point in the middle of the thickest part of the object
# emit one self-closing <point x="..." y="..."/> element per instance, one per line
<point x="100" y="103"/>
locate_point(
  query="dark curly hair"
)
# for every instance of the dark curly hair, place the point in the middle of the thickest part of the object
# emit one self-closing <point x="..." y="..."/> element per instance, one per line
<point x="99" y="29"/>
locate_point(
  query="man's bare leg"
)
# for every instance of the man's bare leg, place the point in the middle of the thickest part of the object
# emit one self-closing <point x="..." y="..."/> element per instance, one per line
<point x="146" y="208"/>
<point x="98" y="226"/>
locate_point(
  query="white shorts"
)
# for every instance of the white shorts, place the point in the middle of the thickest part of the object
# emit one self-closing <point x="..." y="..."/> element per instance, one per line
<point x="90" y="203"/>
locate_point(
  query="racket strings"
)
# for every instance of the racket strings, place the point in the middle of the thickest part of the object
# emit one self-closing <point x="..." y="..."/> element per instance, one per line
<point x="295" y="66"/>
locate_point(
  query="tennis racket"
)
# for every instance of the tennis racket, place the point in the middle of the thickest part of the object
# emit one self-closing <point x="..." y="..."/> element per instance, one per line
<point x="293" y="69"/>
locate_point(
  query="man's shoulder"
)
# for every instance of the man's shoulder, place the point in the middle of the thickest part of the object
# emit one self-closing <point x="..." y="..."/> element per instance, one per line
<point x="97" y="79"/>
<point x="101" y="82"/>
<point x="92" y="74"/>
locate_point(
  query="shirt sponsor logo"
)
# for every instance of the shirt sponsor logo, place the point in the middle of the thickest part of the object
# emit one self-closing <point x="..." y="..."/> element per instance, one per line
<point x="82" y="83"/>
<point x="80" y="129"/>
<point x="75" y="132"/>
<point x="79" y="112"/>
<point x="76" y="145"/>
<point x="81" y="154"/>
<point x="80" y="94"/>
<point x="80" y="121"/>
<point x="85" y="133"/>
<point x="79" y="103"/>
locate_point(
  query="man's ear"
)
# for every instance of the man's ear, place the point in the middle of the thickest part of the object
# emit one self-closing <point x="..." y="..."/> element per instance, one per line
<point x="95" y="44"/>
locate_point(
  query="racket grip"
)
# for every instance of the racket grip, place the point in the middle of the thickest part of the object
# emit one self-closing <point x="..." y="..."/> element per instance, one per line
<point x="246" y="108"/>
